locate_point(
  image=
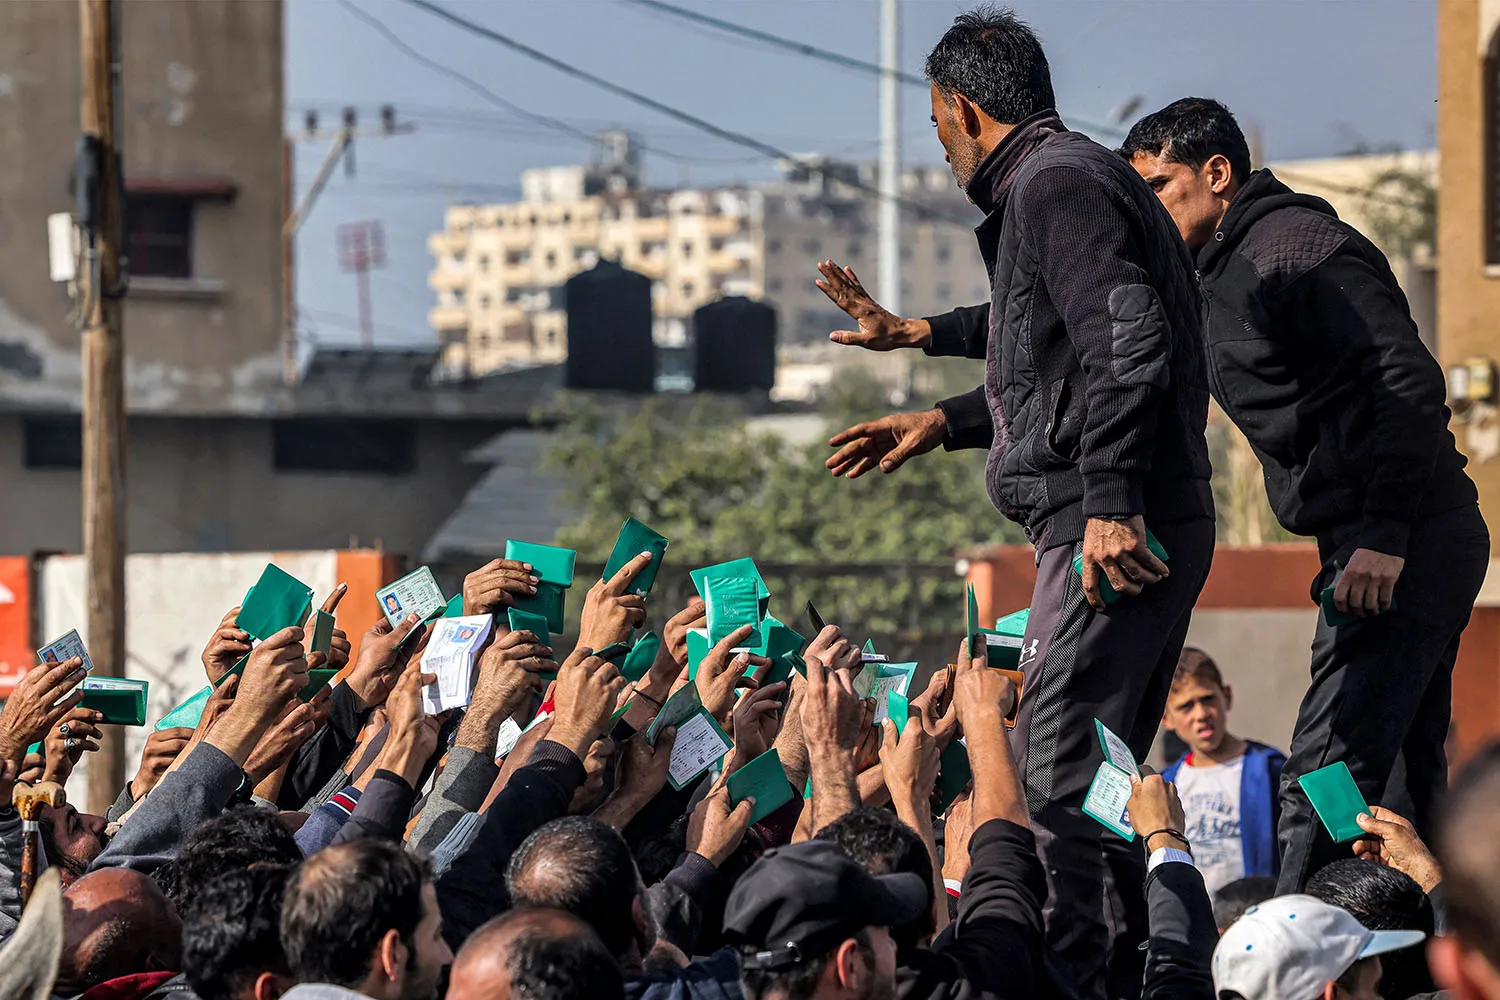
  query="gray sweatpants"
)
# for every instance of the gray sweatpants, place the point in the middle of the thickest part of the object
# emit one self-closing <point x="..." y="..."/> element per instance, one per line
<point x="1115" y="667"/>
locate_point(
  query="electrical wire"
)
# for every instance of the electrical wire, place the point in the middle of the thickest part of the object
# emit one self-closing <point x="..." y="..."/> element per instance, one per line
<point x="688" y="118"/>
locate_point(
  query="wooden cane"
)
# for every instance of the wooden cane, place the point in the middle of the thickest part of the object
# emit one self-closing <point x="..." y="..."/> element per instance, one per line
<point x="28" y="800"/>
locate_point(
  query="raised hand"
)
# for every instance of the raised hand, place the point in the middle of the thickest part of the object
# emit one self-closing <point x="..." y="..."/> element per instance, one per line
<point x="757" y="721"/>
<point x="162" y="748"/>
<point x="610" y="612"/>
<point x="715" y="830"/>
<point x="879" y="328"/>
<point x="283" y="739"/>
<point x="594" y="766"/>
<point x="587" y="688"/>
<point x="509" y="672"/>
<point x="413" y="733"/>
<point x="277" y="670"/>
<point x="224" y="649"/>
<point x="887" y="442"/>
<point x="722" y="671"/>
<point x="380" y="660"/>
<point x="1393" y="842"/>
<point x="831" y="712"/>
<point x="981" y="695"/>
<point x="76" y="734"/>
<point x="338" y="646"/>
<point x="496" y="585"/>
<point x="831" y="649"/>
<point x="1367" y="583"/>
<point x="940" y="723"/>
<point x="1156" y="811"/>
<point x="37" y="704"/>
<point x="674" y="635"/>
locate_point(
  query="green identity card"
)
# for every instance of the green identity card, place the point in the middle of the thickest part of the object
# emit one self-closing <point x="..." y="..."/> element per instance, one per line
<point x="321" y="627"/>
<point x="1336" y="799"/>
<point x="415" y="592"/>
<point x="897" y="709"/>
<point x="675" y="710"/>
<point x="701" y="743"/>
<point x="641" y="656"/>
<point x="188" y="714"/>
<point x="455" y="607"/>
<point x="783" y="647"/>
<point x="735" y="567"/>
<point x="526" y="621"/>
<point x="732" y="602"/>
<point x="1331" y="613"/>
<point x="1109" y="792"/>
<point x="954" y="774"/>
<point x="1108" y="593"/>
<point x="122" y="700"/>
<point x="891" y="678"/>
<point x="277" y="601"/>
<point x="317" y="680"/>
<point x="634" y="539"/>
<point x="550" y="563"/>
<point x="763" y="779"/>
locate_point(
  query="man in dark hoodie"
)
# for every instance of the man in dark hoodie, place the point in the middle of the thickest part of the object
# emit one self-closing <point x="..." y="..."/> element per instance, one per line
<point x="1312" y="352"/>
<point x="1093" y="412"/>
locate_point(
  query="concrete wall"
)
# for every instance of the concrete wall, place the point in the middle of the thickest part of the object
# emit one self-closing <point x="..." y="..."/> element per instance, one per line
<point x="210" y="485"/>
<point x="203" y="99"/>
<point x="1468" y="291"/>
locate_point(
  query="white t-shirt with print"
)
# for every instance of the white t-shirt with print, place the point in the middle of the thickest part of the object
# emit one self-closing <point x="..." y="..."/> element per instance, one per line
<point x="1211" y="801"/>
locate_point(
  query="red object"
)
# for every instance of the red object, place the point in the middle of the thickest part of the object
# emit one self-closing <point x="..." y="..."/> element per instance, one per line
<point x="17" y="653"/>
<point x="127" y="987"/>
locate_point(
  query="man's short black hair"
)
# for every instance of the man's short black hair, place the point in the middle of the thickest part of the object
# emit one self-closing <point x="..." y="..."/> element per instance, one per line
<point x="992" y="58"/>
<point x="883" y="844"/>
<point x="1468" y="848"/>
<point x="581" y="866"/>
<point x="544" y="967"/>
<point x="342" y="901"/>
<point x="1383" y="899"/>
<point x="232" y="931"/>
<point x="1191" y="131"/>
<point x="797" y="982"/>
<point x="1234" y="898"/>
<point x="241" y="837"/>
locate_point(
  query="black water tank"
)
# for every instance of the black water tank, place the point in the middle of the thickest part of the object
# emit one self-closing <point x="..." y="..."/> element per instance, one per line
<point x="734" y="343"/>
<point x="609" y="330"/>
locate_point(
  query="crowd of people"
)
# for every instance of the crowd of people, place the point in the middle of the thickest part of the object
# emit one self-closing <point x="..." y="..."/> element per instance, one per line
<point x="537" y="843"/>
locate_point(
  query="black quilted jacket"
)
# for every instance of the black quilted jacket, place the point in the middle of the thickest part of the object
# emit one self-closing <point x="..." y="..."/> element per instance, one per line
<point x="1313" y="353"/>
<point x="1094" y="400"/>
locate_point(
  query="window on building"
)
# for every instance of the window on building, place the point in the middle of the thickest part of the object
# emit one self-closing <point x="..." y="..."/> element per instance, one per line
<point x="774" y="246"/>
<point x="533" y="219"/>
<point x="483" y="340"/>
<point x="687" y="289"/>
<point x="551" y="337"/>
<point x="687" y="251"/>
<point x="484" y="302"/>
<point x="943" y="251"/>
<point x="456" y="296"/>
<point x="1492" y="152"/>
<point x="551" y="258"/>
<point x="386" y="447"/>
<point x="53" y="442"/>
<point x="159" y="235"/>
<point x="567" y="217"/>
<point x="458" y="258"/>
<point x="484" y="264"/>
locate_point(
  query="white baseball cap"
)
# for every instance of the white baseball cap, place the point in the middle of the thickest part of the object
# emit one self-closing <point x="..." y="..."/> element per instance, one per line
<point x="1291" y="947"/>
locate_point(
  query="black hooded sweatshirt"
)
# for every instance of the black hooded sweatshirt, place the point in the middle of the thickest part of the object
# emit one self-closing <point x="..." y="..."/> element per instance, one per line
<point x="1313" y="353"/>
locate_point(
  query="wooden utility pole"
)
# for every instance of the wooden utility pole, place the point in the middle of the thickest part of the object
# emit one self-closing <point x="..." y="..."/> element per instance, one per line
<point x="104" y="380"/>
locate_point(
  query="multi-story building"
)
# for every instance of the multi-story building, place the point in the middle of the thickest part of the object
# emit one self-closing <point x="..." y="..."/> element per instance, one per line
<point x="499" y="268"/>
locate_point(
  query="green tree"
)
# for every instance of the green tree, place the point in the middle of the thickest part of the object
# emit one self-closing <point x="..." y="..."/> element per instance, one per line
<point x="691" y="470"/>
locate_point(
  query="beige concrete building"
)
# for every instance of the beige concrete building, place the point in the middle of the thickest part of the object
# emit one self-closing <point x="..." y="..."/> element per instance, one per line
<point x="1468" y="306"/>
<point x="499" y="269"/>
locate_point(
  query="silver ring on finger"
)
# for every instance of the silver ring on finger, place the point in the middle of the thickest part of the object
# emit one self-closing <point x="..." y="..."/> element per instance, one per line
<point x="73" y="743"/>
<point x="62" y="730"/>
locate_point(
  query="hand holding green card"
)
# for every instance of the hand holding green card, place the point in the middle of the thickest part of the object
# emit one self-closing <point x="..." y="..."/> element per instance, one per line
<point x="634" y="539"/>
<point x="187" y="714"/>
<point x="641" y="657"/>
<point x="277" y="601"/>
<point x="554" y="567"/>
<point x="1336" y="799"/>
<point x="1107" y="592"/>
<point x="764" y="780"/>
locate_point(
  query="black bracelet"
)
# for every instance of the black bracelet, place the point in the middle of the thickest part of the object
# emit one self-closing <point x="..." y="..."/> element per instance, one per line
<point x="1169" y="831"/>
<point x="641" y="694"/>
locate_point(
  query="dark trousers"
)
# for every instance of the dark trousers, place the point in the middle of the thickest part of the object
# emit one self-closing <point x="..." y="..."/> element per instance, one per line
<point x="1382" y="688"/>
<point x="1115" y="667"/>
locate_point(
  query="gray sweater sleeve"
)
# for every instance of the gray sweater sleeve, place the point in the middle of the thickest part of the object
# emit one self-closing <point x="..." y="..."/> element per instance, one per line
<point x="10" y="871"/>
<point x="195" y="792"/>
<point x="460" y="788"/>
<point x="122" y="805"/>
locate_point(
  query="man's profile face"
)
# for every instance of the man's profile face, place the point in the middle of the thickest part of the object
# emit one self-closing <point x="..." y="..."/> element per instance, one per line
<point x="960" y="149"/>
<point x="1186" y="194"/>
<point x="884" y="947"/>
<point x="430" y="954"/>
<point x="1198" y="713"/>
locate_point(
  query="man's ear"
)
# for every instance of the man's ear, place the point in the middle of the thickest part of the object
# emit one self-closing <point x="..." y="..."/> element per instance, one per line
<point x="1228" y="697"/>
<point x="1220" y="175"/>
<point x="270" y="986"/>
<point x="391" y="955"/>
<point x="968" y="115"/>
<point x="1331" y="990"/>
<point x="849" y="968"/>
<point x="1463" y="972"/>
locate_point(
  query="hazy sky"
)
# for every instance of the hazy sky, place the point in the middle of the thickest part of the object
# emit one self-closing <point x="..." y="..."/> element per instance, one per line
<point x="1316" y="77"/>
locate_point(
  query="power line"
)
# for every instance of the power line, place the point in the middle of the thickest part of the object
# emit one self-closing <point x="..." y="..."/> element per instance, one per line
<point x="813" y="51"/>
<point x="687" y="118"/>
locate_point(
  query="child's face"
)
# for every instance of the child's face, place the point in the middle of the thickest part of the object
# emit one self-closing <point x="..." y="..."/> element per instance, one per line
<point x="1198" y="713"/>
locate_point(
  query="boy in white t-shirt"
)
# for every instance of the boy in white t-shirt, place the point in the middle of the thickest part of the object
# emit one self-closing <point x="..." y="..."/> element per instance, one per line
<point x="1228" y="785"/>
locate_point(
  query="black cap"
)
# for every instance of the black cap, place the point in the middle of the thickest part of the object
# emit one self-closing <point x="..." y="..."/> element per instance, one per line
<point x="799" y="902"/>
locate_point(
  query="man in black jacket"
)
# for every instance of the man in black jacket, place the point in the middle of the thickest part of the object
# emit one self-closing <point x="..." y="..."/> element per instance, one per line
<point x="1313" y="353"/>
<point x="1093" y="411"/>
